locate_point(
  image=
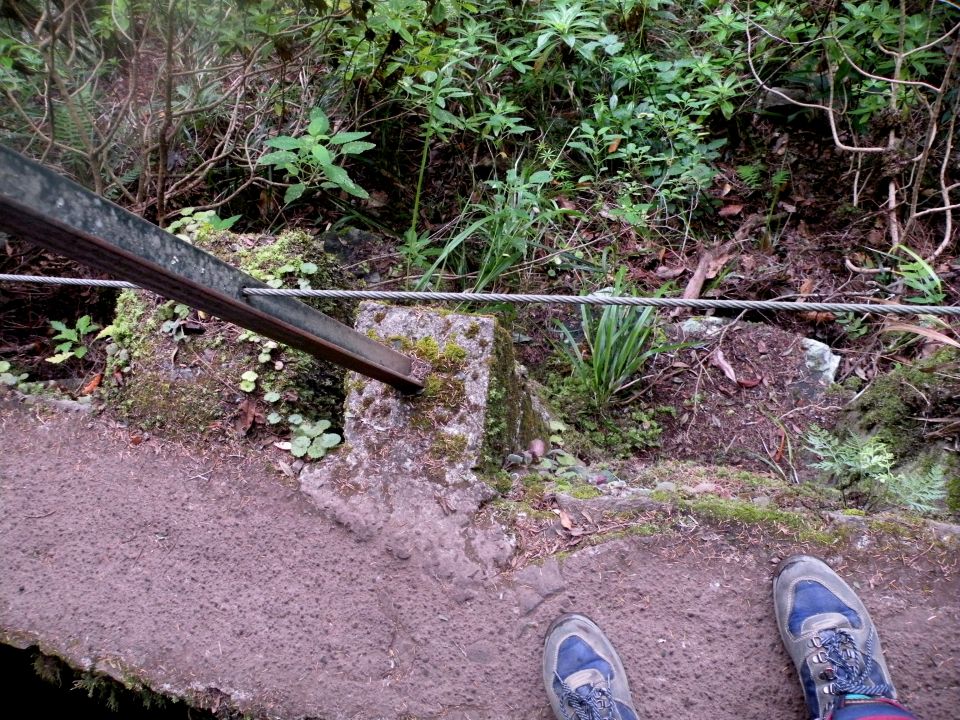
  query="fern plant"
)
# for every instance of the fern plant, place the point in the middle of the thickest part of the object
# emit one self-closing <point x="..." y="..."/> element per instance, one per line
<point x="866" y="464"/>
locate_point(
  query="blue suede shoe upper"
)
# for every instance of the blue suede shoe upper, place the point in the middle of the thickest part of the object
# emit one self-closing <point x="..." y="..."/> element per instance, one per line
<point x="811" y="598"/>
<point x="590" y="701"/>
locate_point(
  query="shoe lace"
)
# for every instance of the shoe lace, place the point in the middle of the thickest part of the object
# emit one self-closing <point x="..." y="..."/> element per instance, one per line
<point x="850" y="665"/>
<point x="597" y="704"/>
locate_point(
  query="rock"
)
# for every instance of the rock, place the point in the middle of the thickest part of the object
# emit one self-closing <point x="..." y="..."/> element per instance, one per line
<point x="666" y="486"/>
<point x="406" y="473"/>
<point x="762" y="501"/>
<point x="705" y="487"/>
<point x="703" y="327"/>
<point x="820" y="361"/>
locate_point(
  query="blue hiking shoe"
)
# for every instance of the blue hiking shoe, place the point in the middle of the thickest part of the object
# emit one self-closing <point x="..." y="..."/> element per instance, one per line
<point x="582" y="673"/>
<point x="829" y="635"/>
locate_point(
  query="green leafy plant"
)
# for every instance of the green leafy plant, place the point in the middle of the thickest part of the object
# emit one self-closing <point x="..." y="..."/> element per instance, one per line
<point x="175" y="316"/>
<point x="921" y="279"/>
<point x="307" y="438"/>
<point x="73" y="344"/>
<point x="297" y="270"/>
<point x="866" y="465"/>
<point x="198" y="224"/>
<point x="9" y="378"/>
<point x="618" y="344"/>
<point x="316" y="157"/>
<point x="248" y="381"/>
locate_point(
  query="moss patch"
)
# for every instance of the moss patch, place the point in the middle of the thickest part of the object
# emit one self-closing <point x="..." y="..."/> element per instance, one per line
<point x="511" y="420"/>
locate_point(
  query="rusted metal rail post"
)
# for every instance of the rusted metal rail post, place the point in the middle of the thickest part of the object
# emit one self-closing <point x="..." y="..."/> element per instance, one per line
<point x="39" y="205"/>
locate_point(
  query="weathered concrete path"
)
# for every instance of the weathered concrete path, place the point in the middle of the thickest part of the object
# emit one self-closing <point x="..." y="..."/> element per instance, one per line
<point x="204" y="573"/>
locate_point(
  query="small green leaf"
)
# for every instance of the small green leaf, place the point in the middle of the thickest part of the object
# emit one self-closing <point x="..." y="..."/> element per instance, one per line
<point x="321" y="154"/>
<point x="280" y="157"/>
<point x="106" y="332"/>
<point x="248" y="386"/>
<point x="271" y="397"/>
<point x="224" y="223"/>
<point x="264" y="357"/>
<point x="330" y="440"/>
<point x="85" y="325"/>
<point x="57" y="325"/>
<point x="310" y="430"/>
<point x="4" y="366"/>
<point x="59" y="358"/>
<point x="319" y="124"/>
<point x="293" y="193"/>
<point x="540" y="177"/>
<point x="284" y="142"/>
<point x="274" y="282"/>
<point x="355" y="148"/>
<point x="274" y="417"/>
<point x="295" y="419"/>
<point x="250" y="376"/>
<point x="299" y="446"/>
<point x="308" y="268"/>
<point x="316" y="450"/>
<point x="347" y="137"/>
<point x="79" y="351"/>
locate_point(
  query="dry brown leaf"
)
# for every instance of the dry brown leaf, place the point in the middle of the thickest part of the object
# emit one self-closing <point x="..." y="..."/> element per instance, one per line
<point x="612" y="148"/>
<point x="718" y="360"/>
<point x="92" y="385"/>
<point x="565" y="519"/>
<point x="730" y="210"/>
<point x="667" y="273"/>
<point x="711" y="262"/>
<point x="247" y="414"/>
<point x="924" y="331"/>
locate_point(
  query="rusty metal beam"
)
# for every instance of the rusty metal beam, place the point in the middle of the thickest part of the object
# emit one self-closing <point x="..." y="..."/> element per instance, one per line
<point x="40" y="205"/>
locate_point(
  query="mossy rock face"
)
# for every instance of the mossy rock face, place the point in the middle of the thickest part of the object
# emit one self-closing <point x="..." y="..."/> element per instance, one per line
<point x="914" y="409"/>
<point x="511" y="420"/>
<point x="897" y="405"/>
<point x="181" y="371"/>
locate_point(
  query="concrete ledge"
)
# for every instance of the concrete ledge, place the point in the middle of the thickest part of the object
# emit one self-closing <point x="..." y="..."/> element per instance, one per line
<point x="408" y="474"/>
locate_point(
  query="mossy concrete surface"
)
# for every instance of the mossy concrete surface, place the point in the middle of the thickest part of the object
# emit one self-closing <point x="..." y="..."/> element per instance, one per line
<point x="409" y="472"/>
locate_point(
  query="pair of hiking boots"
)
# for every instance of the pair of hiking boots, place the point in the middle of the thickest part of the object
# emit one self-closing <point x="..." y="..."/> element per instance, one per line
<point x="825" y="627"/>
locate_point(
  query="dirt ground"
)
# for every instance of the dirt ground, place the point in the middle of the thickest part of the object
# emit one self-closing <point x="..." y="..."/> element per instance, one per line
<point x="200" y="571"/>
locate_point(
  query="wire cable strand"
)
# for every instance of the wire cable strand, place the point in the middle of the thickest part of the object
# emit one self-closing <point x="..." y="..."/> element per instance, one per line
<point x="520" y="298"/>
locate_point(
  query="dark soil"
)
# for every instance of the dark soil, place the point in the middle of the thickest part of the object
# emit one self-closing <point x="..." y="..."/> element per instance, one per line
<point x="756" y="421"/>
<point x="197" y="571"/>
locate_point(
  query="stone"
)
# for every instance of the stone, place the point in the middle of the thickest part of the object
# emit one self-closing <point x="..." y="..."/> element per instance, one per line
<point x="666" y="486"/>
<point x="409" y="472"/>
